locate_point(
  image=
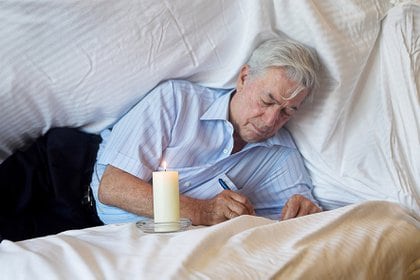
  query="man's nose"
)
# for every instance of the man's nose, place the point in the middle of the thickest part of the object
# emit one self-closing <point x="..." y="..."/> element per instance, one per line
<point x="271" y="117"/>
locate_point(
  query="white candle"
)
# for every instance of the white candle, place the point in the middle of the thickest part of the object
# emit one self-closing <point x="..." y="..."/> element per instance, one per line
<point x="166" y="198"/>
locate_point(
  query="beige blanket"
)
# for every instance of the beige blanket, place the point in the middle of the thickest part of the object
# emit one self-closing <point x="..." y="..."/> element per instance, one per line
<point x="373" y="240"/>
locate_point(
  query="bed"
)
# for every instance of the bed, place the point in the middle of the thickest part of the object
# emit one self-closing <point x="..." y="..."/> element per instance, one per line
<point x="85" y="63"/>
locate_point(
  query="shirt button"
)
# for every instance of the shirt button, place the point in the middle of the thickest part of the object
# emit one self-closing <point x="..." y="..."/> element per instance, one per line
<point x="187" y="184"/>
<point x="225" y="151"/>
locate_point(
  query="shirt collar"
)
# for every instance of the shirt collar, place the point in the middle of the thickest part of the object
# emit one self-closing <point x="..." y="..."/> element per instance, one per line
<point x="281" y="138"/>
<point x="219" y="110"/>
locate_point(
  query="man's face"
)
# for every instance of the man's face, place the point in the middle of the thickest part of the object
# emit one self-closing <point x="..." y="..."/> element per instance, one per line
<point x="261" y="104"/>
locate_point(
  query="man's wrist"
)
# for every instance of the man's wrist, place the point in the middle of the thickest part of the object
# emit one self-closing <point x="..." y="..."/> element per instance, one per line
<point x="191" y="209"/>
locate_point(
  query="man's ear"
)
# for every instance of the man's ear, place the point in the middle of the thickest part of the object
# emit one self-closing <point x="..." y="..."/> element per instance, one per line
<point x="242" y="77"/>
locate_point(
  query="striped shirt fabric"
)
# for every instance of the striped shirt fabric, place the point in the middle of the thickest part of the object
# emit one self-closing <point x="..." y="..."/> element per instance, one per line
<point x="187" y="126"/>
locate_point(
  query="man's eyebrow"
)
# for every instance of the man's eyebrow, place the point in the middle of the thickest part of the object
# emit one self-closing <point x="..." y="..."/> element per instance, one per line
<point x="273" y="99"/>
<point x="294" y="108"/>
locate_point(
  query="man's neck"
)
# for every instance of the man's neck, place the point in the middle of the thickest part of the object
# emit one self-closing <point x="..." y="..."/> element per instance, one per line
<point x="238" y="143"/>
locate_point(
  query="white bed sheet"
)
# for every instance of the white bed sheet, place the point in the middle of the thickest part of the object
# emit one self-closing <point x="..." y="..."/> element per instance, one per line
<point x="372" y="240"/>
<point x="85" y="63"/>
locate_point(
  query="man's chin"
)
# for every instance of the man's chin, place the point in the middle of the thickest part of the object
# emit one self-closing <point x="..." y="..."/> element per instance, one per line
<point x="256" y="138"/>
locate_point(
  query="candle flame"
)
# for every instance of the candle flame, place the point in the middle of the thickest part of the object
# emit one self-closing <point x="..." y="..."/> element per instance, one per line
<point x="164" y="165"/>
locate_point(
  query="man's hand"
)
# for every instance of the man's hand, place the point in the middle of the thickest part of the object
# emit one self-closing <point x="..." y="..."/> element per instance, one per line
<point x="224" y="206"/>
<point x="297" y="206"/>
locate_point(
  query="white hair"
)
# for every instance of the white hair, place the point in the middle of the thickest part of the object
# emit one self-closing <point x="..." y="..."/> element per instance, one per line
<point x="300" y="62"/>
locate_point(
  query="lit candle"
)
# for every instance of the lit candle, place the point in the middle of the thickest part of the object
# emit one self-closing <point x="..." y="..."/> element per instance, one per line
<point x="166" y="199"/>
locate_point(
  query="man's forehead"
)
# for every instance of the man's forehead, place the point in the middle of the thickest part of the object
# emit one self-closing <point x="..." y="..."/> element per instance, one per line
<point x="287" y="94"/>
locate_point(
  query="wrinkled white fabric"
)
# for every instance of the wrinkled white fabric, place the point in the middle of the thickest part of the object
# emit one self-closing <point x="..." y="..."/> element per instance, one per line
<point x="368" y="146"/>
<point x="372" y="240"/>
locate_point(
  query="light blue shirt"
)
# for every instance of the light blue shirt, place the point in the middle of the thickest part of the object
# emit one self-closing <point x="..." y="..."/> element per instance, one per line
<point x="187" y="126"/>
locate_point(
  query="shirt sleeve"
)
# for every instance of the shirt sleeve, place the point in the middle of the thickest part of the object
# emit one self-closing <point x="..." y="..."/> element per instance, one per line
<point x="293" y="175"/>
<point x="285" y="179"/>
<point x="138" y="139"/>
<point x="298" y="180"/>
<point x="278" y="173"/>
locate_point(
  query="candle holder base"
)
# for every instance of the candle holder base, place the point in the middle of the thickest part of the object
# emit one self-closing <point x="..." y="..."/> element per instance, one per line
<point x="149" y="226"/>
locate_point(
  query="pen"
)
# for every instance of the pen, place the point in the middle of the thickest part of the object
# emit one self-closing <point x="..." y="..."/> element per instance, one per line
<point x="223" y="184"/>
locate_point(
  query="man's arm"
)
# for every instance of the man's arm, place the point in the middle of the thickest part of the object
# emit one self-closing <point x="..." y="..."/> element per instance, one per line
<point x="123" y="190"/>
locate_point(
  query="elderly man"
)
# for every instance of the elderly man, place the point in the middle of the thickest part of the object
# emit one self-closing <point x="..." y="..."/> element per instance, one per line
<point x="208" y="134"/>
